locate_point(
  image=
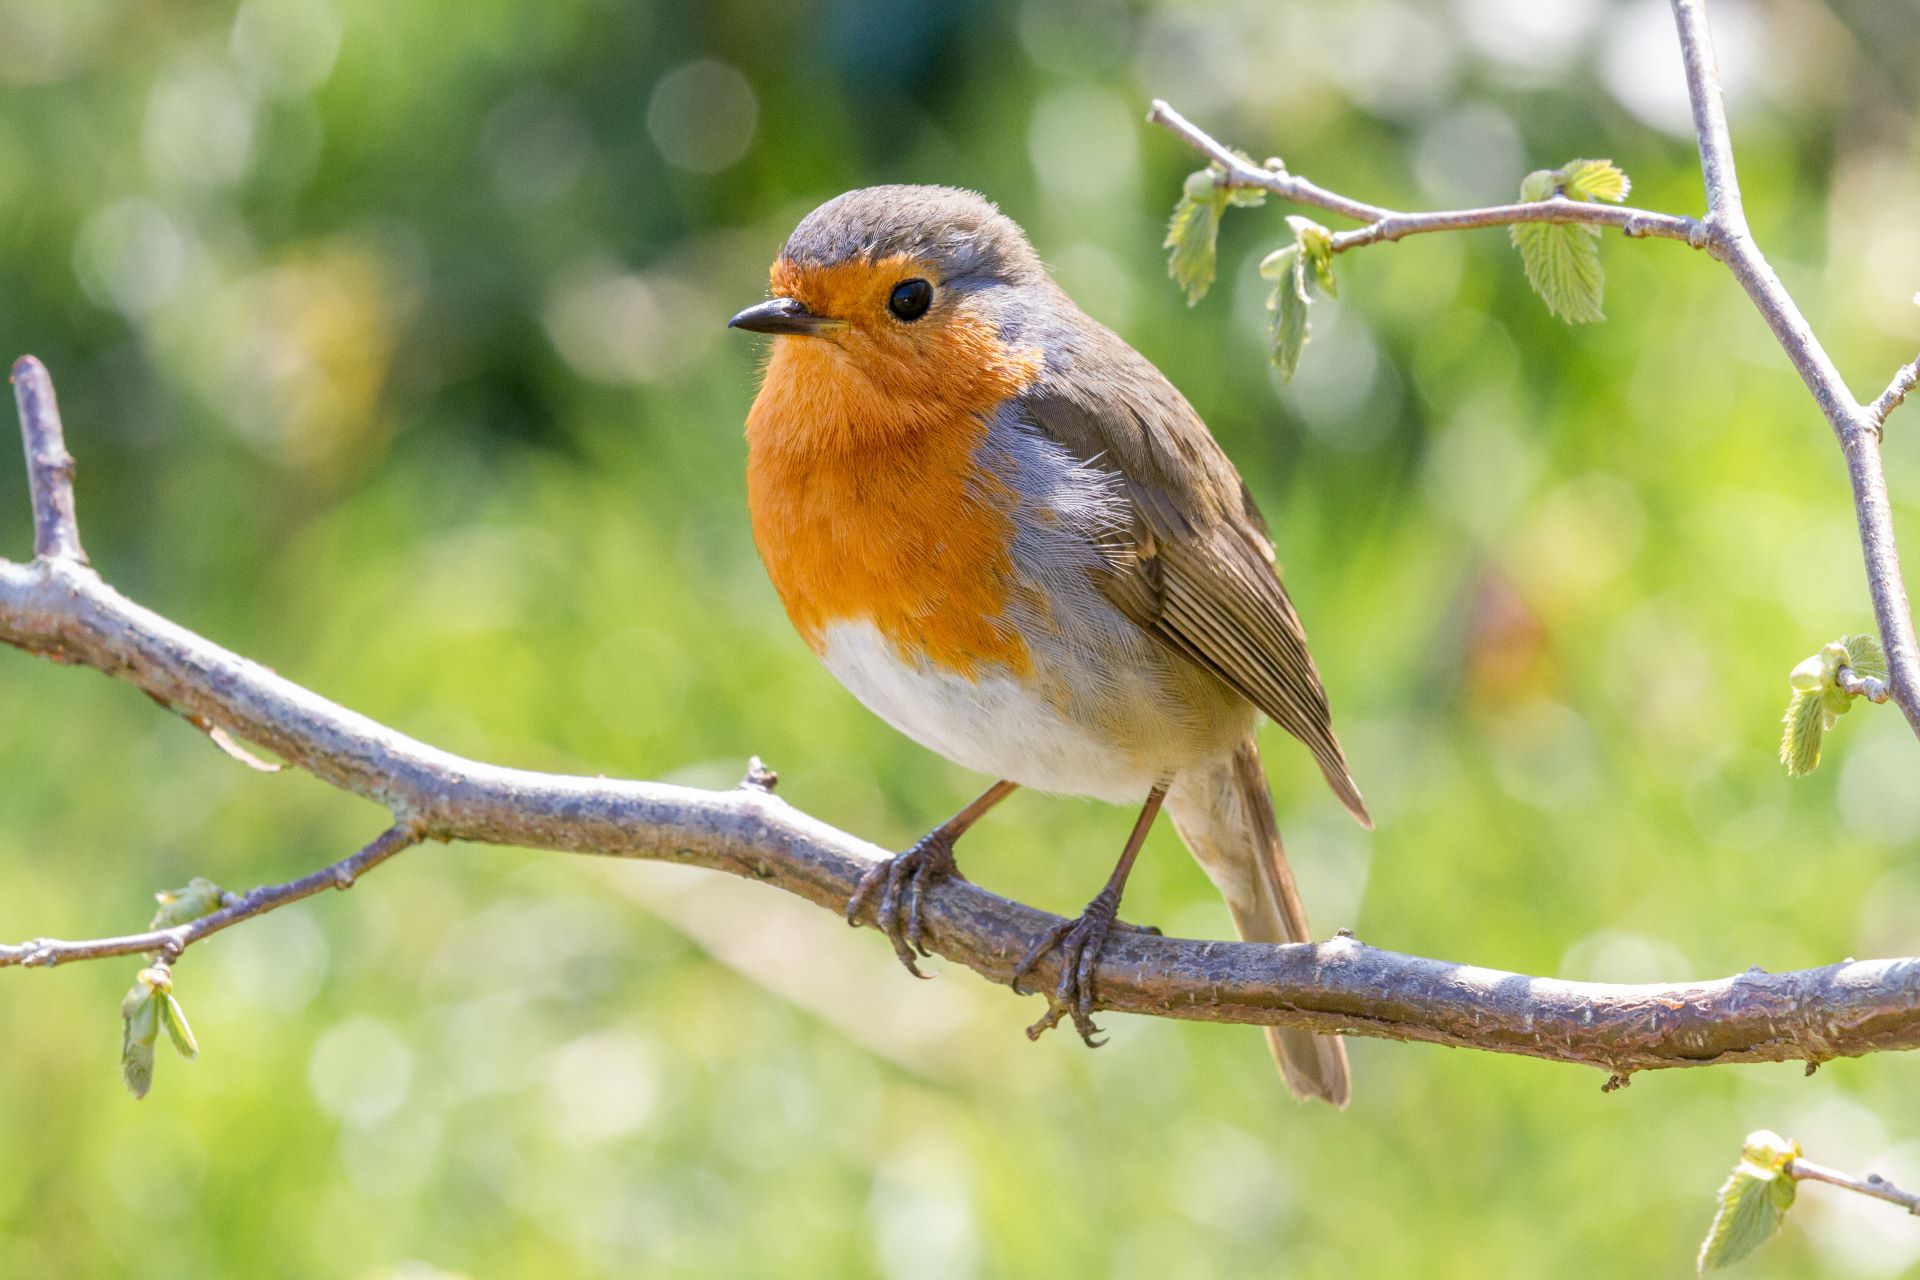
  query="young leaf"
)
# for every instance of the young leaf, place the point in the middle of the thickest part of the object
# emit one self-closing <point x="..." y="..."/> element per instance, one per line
<point x="149" y="1006"/>
<point x="136" y="1067"/>
<point x="1289" y="306"/>
<point x="1768" y="1149"/>
<point x="1594" y="180"/>
<point x="1316" y="245"/>
<point x="175" y="1020"/>
<point x="1752" y="1205"/>
<point x="1279" y="263"/>
<point x="1805" y="724"/>
<point x="1753" y="1201"/>
<point x="1865" y="656"/>
<point x="1810" y="676"/>
<point x="1191" y="234"/>
<point x="1194" y="230"/>
<point x="1562" y="261"/>
<point x="199" y="897"/>
<point x="1539" y="185"/>
<point x="140" y="1027"/>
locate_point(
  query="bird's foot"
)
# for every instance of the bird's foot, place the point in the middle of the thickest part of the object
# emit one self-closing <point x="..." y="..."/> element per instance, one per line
<point x="900" y="881"/>
<point x="1080" y="942"/>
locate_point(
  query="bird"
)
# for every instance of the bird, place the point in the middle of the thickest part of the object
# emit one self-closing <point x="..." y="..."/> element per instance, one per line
<point x="1010" y="536"/>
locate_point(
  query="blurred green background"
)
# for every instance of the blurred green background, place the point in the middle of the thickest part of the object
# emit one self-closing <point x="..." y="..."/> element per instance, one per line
<point x="389" y="336"/>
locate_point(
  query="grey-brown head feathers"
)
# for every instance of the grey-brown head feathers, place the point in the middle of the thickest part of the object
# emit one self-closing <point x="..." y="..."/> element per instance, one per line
<point x="960" y="232"/>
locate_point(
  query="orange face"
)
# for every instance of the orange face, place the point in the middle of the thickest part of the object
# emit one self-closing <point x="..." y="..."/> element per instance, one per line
<point x="867" y="502"/>
<point x="861" y="368"/>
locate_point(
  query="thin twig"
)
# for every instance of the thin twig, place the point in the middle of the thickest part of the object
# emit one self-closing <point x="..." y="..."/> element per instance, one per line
<point x="1709" y="115"/>
<point x="1241" y="172"/>
<point x="1872" y="688"/>
<point x="1636" y="223"/>
<point x="1384" y="225"/>
<point x="1871" y="1185"/>
<point x="1897" y="391"/>
<point x="48" y="952"/>
<point x="49" y="466"/>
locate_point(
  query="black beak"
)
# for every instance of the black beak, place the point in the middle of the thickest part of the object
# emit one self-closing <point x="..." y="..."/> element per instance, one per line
<point x="782" y="315"/>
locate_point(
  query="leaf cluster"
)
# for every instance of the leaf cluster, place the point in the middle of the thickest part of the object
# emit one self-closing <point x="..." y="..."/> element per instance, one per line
<point x="1296" y="270"/>
<point x="1562" y="259"/>
<point x="147" y="1008"/>
<point x="1193" y="232"/>
<point x="1819" y="701"/>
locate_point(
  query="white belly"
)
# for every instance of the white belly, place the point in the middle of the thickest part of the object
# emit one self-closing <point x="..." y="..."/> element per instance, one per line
<point x="994" y="725"/>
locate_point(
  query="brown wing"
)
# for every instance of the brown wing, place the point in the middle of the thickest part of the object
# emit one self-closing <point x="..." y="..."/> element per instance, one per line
<point x="1195" y="569"/>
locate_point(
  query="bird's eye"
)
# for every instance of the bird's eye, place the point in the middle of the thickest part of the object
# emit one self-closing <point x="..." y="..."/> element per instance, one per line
<point x="910" y="299"/>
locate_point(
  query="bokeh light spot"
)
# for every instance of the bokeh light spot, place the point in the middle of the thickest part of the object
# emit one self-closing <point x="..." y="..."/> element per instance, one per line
<point x="702" y="116"/>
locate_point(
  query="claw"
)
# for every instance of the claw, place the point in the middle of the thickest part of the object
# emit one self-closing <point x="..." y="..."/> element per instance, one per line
<point x="1047" y="942"/>
<point x="902" y="880"/>
<point x="1080" y="942"/>
<point x="1048" y="1021"/>
<point x="916" y="932"/>
<point x="1082" y="939"/>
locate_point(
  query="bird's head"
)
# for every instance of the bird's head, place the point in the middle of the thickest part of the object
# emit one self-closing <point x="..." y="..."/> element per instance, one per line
<point x="897" y="304"/>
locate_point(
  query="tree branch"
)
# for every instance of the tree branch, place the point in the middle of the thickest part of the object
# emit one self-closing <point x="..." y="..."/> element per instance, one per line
<point x="1636" y="223"/>
<point x="57" y="606"/>
<point x="1872" y="1185"/>
<point x="1871" y="688"/>
<point x="1856" y="426"/>
<point x="1383" y="224"/>
<point x="56" y="533"/>
<point x="1709" y="115"/>
<point x="1725" y="235"/>
<point x="170" y="943"/>
<point x="1242" y="172"/>
<point x="1897" y="391"/>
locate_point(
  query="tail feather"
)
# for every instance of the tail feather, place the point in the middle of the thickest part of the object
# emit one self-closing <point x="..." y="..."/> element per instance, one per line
<point x="1334" y="768"/>
<point x="1226" y="818"/>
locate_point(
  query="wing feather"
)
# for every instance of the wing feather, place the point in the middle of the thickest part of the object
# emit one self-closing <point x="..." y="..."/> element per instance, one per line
<point x="1195" y="568"/>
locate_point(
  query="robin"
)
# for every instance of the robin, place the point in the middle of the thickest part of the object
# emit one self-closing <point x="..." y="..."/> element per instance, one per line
<point x="1011" y="538"/>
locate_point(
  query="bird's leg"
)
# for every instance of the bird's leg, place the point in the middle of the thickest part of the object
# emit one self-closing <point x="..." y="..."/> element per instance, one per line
<point x="905" y="876"/>
<point x="1081" y="939"/>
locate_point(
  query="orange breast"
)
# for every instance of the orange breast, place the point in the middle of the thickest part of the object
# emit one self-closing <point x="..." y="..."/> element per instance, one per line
<point x="866" y="503"/>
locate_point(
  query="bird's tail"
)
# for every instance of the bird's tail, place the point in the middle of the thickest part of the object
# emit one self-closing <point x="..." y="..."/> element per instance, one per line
<point x="1226" y="818"/>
